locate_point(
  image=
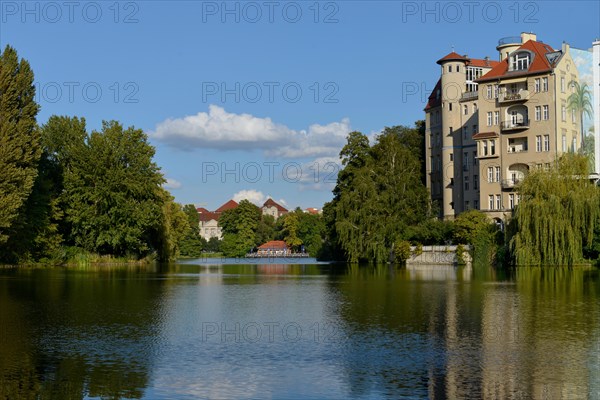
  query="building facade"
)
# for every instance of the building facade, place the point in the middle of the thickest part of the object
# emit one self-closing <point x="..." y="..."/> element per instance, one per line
<point x="490" y="122"/>
<point x="276" y="210"/>
<point x="209" y="220"/>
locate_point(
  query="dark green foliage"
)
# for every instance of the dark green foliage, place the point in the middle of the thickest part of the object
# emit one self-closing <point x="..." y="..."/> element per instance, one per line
<point x="192" y="244"/>
<point x="114" y="202"/>
<point x="19" y="145"/>
<point x="432" y="231"/>
<point x="379" y="194"/>
<point x="239" y="227"/>
<point x="213" y="245"/>
<point x="557" y="216"/>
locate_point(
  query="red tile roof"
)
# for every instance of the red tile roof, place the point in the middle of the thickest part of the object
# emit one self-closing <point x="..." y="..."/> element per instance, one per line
<point x="475" y="62"/>
<point x="227" y="206"/>
<point x="207" y="216"/>
<point x="538" y="65"/>
<point x="312" y="210"/>
<point x="273" y="245"/>
<point x="485" y="135"/>
<point x="452" y="57"/>
<point x="433" y="100"/>
<point x="202" y="210"/>
<point x="271" y="203"/>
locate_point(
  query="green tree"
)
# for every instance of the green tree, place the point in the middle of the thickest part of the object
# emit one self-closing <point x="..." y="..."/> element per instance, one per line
<point x="580" y="101"/>
<point x="173" y="229"/>
<point x="192" y="243"/>
<point x="114" y="200"/>
<point x="266" y="229"/>
<point x="379" y="194"/>
<point x="20" y="148"/>
<point x="290" y="231"/>
<point x="557" y="214"/>
<point x="239" y="226"/>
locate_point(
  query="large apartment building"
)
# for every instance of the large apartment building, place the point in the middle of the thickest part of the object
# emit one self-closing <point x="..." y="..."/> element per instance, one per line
<point x="489" y="122"/>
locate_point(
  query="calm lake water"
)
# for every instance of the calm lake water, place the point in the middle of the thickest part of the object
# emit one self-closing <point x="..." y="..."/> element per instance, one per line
<point x="203" y="329"/>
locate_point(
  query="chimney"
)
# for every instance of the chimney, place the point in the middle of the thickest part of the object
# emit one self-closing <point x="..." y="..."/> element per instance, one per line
<point x="528" y="36"/>
<point x="487" y="61"/>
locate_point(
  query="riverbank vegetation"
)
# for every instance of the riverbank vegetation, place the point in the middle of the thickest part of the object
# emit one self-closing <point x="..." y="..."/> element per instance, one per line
<point x="70" y="195"/>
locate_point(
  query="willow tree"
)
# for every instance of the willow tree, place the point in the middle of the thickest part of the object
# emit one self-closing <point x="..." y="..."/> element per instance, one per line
<point x="20" y="148"/>
<point x="556" y="216"/>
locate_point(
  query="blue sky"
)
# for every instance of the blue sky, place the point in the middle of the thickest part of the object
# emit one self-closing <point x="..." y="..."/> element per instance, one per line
<point x="254" y="99"/>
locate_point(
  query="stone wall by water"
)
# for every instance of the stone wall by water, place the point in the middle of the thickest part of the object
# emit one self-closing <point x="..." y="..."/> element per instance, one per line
<point x="438" y="255"/>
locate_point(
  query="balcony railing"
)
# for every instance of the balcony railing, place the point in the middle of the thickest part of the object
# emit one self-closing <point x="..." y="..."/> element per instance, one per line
<point x="515" y="124"/>
<point x="466" y="96"/>
<point x="516" y="148"/>
<point x="509" y="40"/>
<point x="506" y="97"/>
<point x="509" y="183"/>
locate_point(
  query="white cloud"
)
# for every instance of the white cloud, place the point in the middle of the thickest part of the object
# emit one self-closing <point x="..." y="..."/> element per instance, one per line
<point x="172" y="184"/>
<point x="219" y="129"/>
<point x="253" y="196"/>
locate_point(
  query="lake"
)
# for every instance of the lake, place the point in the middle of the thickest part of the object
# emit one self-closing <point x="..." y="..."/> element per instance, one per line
<point x="253" y="329"/>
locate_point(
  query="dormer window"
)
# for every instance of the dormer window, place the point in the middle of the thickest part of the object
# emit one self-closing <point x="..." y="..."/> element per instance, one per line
<point x="520" y="61"/>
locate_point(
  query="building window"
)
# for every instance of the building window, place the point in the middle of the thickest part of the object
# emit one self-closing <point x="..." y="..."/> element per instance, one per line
<point x="476" y="204"/>
<point x="492" y="147"/>
<point x="496" y="117"/>
<point x="538" y="113"/>
<point x="546" y="142"/>
<point x="485" y="147"/>
<point x="497" y="174"/>
<point x="511" y="201"/>
<point x="520" y="61"/>
<point x="564" y="113"/>
<point x="466" y="183"/>
<point x="451" y="130"/>
<point x="545" y="114"/>
<point x="564" y="142"/>
<point x="496" y="91"/>
<point x="474" y="108"/>
<point x="544" y="84"/>
<point x="449" y="68"/>
<point x="562" y="84"/>
<point x="489" y="118"/>
<point x="467" y="205"/>
<point x="474" y="158"/>
<point x="537" y="85"/>
<point x="466" y="162"/>
<point x="466" y="109"/>
<point x="474" y="129"/>
<point x="489" y="91"/>
<point x="449" y="106"/>
<point x="573" y="116"/>
<point x="451" y="157"/>
<point x="490" y="174"/>
<point x="491" y="201"/>
<point x="475" y="182"/>
<point x="538" y="143"/>
<point x="498" y="202"/>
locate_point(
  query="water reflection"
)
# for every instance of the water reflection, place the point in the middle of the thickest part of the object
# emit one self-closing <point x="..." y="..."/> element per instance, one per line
<point x="213" y="330"/>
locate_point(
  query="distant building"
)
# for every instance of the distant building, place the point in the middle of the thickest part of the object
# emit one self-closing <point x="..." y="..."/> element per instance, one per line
<point x="489" y="122"/>
<point x="209" y="220"/>
<point x="312" y="210"/>
<point x="276" y="248"/>
<point x="274" y="209"/>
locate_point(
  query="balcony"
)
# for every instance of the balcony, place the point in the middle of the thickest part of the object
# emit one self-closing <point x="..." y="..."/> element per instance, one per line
<point x="508" y="184"/>
<point x="515" y="124"/>
<point x="467" y="96"/>
<point x="510" y="97"/>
